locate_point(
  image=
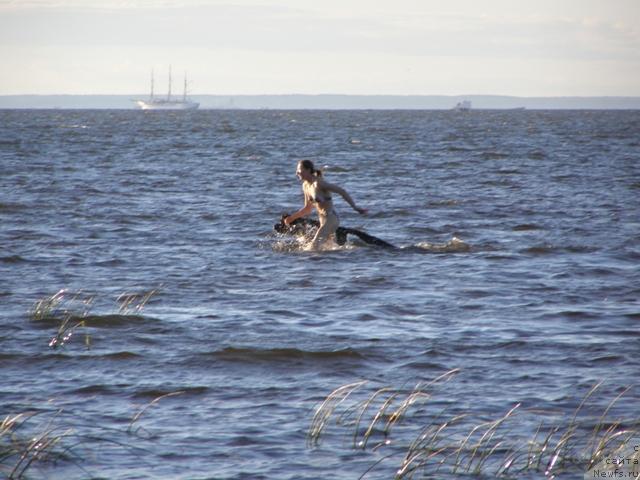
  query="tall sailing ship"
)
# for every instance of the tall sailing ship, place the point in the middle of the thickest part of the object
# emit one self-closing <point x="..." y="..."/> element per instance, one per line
<point x="167" y="103"/>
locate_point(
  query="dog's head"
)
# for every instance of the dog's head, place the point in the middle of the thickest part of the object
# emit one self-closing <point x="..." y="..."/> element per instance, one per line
<point x="282" y="227"/>
<point x="299" y="226"/>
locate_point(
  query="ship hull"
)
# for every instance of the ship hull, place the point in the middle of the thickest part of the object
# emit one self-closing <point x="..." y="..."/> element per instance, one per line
<point x="167" y="105"/>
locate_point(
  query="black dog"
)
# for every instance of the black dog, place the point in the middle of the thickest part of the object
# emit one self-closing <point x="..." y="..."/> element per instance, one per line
<point x="305" y="226"/>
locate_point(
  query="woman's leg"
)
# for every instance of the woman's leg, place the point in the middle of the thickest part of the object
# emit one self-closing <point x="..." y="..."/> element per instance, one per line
<point x="328" y="226"/>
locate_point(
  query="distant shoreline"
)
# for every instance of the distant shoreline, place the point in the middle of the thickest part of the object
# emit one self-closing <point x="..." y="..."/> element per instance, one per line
<point x="329" y="102"/>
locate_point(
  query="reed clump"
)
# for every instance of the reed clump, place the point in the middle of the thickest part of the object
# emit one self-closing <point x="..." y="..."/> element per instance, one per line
<point x="421" y="439"/>
<point x="46" y="439"/>
<point x="19" y="452"/>
<point x="71" y="311"/>
<point x="134" y="303"/>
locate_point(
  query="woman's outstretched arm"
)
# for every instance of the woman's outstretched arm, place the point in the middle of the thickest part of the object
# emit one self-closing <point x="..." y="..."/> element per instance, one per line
<point x="343" y="193"/>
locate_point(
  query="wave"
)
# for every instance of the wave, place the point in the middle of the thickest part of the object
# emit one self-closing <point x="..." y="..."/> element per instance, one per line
<point x="455" y="245"/>
<point x="288" y="245"/>
<point x="494" y="155"/>
<point x="152" y="393"/>
<point x="13" y="207"/>
<point x="539" y="250"/>
<point x="99" y="321"/>
<point x="10" y="356"/>
<point x="555" y="249"/>
<point x="443" y="203"/>
<point x="56" y="357"/>
<point x="300" y="244"/>
<point x="93" y="389"/>
<point x="525" y="227"/>
<point x="283" y="354"/>
<point x="13" y="259"/>
<point x="121" y="356"/>
<point x="612" y="358"/>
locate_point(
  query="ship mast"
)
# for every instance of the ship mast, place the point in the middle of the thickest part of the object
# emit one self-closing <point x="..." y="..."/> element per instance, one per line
<point x="151" y="93"/>
<point x="169" y="94"/>
<point x="184" y="95"/>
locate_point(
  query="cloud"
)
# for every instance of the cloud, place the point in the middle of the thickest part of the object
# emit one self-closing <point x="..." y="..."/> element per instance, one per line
<point x="276" y="28"/>
<point x="296" y="45"/>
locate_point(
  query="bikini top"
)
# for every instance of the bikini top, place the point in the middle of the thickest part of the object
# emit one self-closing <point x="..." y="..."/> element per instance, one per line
<point x="320" y="198"/>
<point x="316" y="196"/>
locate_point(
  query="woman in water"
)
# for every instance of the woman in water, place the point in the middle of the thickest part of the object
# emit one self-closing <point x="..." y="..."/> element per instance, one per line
<point x="317" y="193"/>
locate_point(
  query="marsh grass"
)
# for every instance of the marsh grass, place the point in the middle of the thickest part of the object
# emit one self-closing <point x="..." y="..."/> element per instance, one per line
<point x="25" y="442"/>
<point x="46" y="439"/>
<point x="68" y="310"/>
<point x="134" y="303"/>
<point x="140" y="431"/>
<point x="71" y="311"/>
<point x="467" y="443"/>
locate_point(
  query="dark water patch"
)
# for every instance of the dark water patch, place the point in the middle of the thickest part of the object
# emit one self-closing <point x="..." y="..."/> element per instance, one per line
<point x="434" y="352"/>
<point x="13" y="207"/>
<point x="483" y="346"/>
<point x="10" y="356"/>
<point x="513" y="344"/>
<point x="620" y="332"/>
<point x="581" y="248"/>
<point x="83" y="356"/>
<point x="97" y="321"/>
<point x="608" y="359"/>
<point x="27" y="235"/>
<point x="282" y="313"/>
<point x="114" y="262"/>
<point x="13" y="259"/>
<point x="121" y="356"/>
<point x="417" y="231"/>
<point x="116" y="320"/>
<point x="540" y="250"/>
<point x="458" y="148"/>
<point x="283" y="354"/>
<point x="443" y="203"/>
<point x="153" y="393"/>
<point x="209" y="217"/>
<point x="603" y="271"/>
<point x="494" y="155"/>
<point x="537" y="155"/>
<point x="491" y="183"/>
<point x="578" y="314"/>
<point x="526" y="227"/>
<point x="96" y="390"/>
<point x="476" y="293"/>
<point x="425" y="366"/>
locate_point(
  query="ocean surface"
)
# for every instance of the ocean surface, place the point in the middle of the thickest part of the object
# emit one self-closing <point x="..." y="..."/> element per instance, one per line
<point x="154" y="325"/>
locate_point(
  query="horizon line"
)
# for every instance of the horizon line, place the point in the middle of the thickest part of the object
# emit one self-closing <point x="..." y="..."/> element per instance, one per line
<point x="325" y="94"/>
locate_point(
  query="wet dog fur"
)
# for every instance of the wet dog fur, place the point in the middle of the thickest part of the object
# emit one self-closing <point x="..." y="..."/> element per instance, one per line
<point x="307" y="226"/>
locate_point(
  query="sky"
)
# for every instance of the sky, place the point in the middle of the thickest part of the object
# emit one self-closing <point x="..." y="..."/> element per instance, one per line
<point x="391" y="47"/>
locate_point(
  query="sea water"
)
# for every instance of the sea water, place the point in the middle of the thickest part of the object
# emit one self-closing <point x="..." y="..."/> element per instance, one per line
<point x="518" y="266"/>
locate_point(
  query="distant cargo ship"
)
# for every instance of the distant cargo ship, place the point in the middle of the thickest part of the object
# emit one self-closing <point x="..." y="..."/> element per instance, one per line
<point x="463" y="106"/>
<point x="167" y="103"/>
